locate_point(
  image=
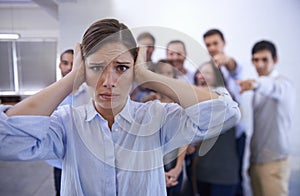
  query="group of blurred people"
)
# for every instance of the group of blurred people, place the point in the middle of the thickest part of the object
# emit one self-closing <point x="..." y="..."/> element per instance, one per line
<point x="215" y="167"/>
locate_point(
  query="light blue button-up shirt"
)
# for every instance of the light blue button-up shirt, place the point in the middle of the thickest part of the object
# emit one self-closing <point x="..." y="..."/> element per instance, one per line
<point x="124" y="160"/>
<point x="81" y="97"/>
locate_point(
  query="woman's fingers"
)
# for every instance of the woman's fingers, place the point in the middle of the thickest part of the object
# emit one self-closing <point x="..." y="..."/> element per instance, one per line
<point x="78" y="67"/>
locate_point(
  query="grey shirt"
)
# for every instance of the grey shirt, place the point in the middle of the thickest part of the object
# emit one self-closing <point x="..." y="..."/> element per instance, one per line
<point x="272" y="113"/>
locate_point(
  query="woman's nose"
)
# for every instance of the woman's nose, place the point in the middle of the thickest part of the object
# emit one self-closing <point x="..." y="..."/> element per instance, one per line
<point x="109" y="78"/>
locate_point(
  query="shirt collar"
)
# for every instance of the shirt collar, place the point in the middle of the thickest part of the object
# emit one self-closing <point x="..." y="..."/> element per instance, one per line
<point x="91" y="111"/>
<point x="274" y="73"/>
<point x="126" y="111"/>
<point x="82" y="89"/>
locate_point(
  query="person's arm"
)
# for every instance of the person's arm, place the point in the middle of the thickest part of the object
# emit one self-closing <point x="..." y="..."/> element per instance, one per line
<point x="45" y="102"/>
<point x="236" y="72"/>
<point x="271" y="87"/>
<point x="29" y="138"/>
<point x="181" y="92"/>
<point x="223" y="59"/>
<point x="173" y="174"/>
<point x="231" y="64"/>
<point x="180" y="158"/>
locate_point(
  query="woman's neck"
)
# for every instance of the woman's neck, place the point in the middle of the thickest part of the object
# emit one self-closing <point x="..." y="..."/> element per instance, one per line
<point x="110" y="119"/>
<point x="109" y="113"/>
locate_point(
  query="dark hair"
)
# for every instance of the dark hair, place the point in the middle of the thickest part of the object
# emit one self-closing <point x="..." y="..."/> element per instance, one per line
<point x="106" y="31"/>
<point x="217" y="72"/>
<point x="214" y="32"/>
<point x="68" y="51"/>
<point x="264" y="45"/>
<point x="146" y="35"/>
<point x="177" y="42"/>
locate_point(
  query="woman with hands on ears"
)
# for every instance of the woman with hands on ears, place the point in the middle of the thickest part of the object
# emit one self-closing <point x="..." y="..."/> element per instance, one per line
<point x="112" y="145"/>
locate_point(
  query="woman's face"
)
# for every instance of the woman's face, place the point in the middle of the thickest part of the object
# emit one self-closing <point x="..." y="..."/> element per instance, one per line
<point x="110" y="73"/>
<point x="206" y="76"/>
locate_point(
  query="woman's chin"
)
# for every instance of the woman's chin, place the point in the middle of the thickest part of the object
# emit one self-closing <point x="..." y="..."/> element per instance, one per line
<point x="109" y="105"/>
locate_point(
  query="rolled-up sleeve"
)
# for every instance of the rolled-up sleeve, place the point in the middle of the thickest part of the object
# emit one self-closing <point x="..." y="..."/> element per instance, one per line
<point x="201" y="121"/>
<point x="277" y="88"/>
<point x="28" y="138"/>
<point x="213" y="117"/>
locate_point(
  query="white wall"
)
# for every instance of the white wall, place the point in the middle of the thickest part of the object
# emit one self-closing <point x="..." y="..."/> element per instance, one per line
<point x="28" y="20"/>
<point x="74" y="19"/>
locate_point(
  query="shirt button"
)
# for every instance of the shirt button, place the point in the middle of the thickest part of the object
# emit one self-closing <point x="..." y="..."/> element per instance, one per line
<point x="116" y="129"/>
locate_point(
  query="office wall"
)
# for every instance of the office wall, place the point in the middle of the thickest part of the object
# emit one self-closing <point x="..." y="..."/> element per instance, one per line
<point x="28" y="20"/>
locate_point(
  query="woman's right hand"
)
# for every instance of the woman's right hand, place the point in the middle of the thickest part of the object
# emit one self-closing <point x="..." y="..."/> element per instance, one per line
<point x="78" y="67"/>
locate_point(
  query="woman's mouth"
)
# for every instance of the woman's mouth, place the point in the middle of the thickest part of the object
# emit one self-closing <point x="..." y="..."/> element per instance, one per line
<point x="108" y="96"/>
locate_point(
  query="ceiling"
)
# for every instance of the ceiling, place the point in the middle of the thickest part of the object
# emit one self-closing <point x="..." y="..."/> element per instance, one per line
<point x="50" y="6"/>
<point x="32" y="1"/>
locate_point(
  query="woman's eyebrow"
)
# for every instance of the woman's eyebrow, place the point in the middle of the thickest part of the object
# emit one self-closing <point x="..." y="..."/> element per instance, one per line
<point x="93" y="63"/>
<point x="122" y="62"/>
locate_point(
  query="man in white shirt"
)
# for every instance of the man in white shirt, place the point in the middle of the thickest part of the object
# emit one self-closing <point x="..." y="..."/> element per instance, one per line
<point x="272" y="111"/>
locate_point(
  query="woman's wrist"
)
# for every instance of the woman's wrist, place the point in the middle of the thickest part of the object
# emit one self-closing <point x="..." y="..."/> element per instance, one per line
<point x="142" y="75"/>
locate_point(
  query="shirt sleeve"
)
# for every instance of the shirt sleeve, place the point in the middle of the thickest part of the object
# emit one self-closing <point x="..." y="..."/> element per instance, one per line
<point x="28" y="138"/>
<point x="236" y="74"/>
<point x="199" y="122"/>
<point x="230" y="78"/>
<point x="277" y="88"/>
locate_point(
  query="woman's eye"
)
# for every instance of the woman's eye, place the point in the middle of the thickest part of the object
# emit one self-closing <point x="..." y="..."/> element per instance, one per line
<point x="97" y="68"/>
<point x="122" y="68"/>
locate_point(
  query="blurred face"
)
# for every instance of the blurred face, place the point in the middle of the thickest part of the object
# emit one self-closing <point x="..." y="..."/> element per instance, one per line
<point x="109" y="72"/>
<point x="176" y="54"/>
<point x="148" y="42"/>
<point x="166" y="70"/>
<point x="263" y="62"/>
<point x="214" y="44"/>
<point x="206" y="76"/>
<point x="66" y="63"/>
